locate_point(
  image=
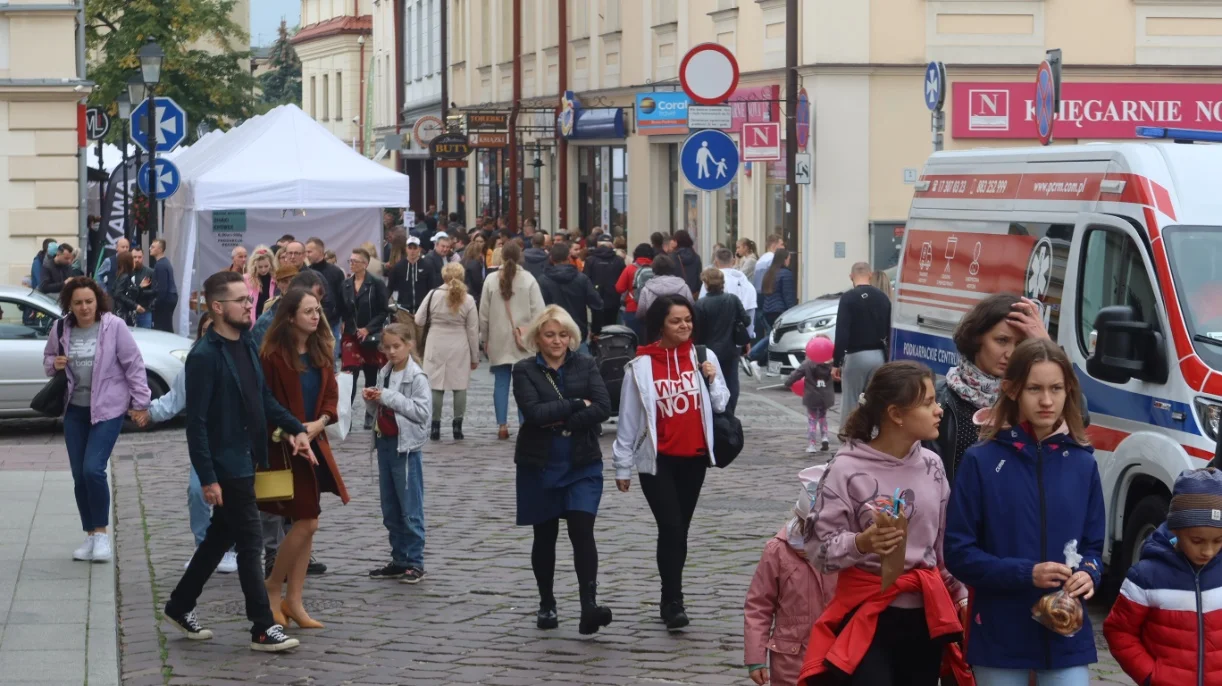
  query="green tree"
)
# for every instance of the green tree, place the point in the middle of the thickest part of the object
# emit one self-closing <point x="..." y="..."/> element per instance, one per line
<point x="281" y="84"/>
<point x="212" y="85"/>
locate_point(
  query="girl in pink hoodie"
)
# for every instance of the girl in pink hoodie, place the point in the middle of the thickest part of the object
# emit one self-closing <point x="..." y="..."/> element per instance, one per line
<point x="786" y="596"/>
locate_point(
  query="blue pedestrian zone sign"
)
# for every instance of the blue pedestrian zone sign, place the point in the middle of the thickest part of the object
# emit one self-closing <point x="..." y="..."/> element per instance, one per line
<point x="170" y="122"/>
<point x="167" y="179"/>
<point x="935" y="86"/>
<point x="709" y="159"/>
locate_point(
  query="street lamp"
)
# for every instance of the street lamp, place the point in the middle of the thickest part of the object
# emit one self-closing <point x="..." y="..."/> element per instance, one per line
<point x="125" y="115"/>
<point x="151" y="57"/>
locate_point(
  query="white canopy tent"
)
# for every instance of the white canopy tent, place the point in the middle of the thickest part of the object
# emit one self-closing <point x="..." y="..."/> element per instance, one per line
<point x="275" y="174"/>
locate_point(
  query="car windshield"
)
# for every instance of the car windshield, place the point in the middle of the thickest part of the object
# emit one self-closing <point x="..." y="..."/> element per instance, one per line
<point x="1195" y="254"/>
<point x="43" y="300"/>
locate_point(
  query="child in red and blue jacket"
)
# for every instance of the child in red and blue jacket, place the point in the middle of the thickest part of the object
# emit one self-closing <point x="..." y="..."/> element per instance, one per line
<point x="1170" y="606"/>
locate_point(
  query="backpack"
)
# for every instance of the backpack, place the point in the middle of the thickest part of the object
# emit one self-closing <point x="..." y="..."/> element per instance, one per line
<point x="643" y="273"/>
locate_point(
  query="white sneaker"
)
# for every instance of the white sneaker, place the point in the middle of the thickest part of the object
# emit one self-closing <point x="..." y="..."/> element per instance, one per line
<point x="85" y="552"/>
<point x="101" y="548"/>
<point x="229" y="563"/>
<point x="812" y="448"/>
<point x="756" y="371"/>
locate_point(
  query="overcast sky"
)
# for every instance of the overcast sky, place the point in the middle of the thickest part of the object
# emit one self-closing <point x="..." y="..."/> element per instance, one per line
<point x="265" y="18"/>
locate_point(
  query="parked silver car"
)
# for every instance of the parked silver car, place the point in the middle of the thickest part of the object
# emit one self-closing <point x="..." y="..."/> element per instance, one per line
<point x="26" y="318"/>
<point x="796" y="326"/>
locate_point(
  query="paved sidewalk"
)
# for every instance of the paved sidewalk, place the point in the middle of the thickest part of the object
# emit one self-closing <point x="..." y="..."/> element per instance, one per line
<point x="57" y="616"/>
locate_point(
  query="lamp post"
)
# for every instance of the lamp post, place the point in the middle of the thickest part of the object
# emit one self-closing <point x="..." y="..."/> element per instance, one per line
<point x="538" y="167"/>
<point x="151" y="57"/>
<point x="125" y="115"/>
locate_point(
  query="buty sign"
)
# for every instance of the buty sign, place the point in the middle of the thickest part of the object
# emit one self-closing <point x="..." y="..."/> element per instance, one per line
<point x="450" y="149"/>
<point x="1088" y="110"/>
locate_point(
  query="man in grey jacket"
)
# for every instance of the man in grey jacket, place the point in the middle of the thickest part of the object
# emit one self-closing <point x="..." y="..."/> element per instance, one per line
<point x="665" y="281"/>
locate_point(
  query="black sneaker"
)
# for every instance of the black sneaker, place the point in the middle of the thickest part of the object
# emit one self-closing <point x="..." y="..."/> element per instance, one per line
<point x="674" y="615"/>
<point x="273" y="640"/>
<point x="269" y="561"/>
<point x="413" y="575"/>
<point x="315" y="567"/>
<point x="825" y="446"/>
<point x="189" y="625"/>
<point x="390" y="571"/>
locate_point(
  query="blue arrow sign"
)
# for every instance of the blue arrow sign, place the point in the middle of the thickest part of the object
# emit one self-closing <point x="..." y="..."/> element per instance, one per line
<point x="168" y="179"/>
<point x="709" y="159"/>
<point x="171" y="125"/>
<point x="935" y="86"/>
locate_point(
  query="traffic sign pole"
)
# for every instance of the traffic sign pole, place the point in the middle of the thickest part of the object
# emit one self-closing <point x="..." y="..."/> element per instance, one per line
<point x="153" y="137"/>
<point x="935" y="87"/>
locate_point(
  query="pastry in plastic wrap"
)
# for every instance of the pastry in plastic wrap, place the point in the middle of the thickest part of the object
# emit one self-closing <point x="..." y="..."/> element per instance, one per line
<point x="1059" y="611"/>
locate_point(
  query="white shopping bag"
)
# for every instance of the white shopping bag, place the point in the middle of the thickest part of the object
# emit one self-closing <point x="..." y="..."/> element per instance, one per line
<point x="338" y="430"/>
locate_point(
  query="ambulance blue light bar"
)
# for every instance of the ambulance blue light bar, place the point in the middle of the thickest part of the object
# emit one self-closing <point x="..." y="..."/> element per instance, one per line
<point x="1180" y="135"/>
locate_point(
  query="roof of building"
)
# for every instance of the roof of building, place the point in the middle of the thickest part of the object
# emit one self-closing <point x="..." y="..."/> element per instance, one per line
<point x="334" y="27"/>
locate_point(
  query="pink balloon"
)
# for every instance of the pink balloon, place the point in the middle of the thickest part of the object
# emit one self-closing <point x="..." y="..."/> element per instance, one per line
<point x="799" y="387"/>
<point x="819" y="350"/>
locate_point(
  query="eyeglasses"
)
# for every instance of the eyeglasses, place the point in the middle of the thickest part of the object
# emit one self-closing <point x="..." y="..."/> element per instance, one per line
<point x="248" y="301"/>
<point x="313" y="310"/>
<point x="355" y="260"/>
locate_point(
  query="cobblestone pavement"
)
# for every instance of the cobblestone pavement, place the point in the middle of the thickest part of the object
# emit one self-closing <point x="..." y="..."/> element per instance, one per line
<point x="471" y="621"/>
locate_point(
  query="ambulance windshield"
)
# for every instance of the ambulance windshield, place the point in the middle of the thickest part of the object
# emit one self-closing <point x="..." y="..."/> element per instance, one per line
<point x="1196" y="262"/>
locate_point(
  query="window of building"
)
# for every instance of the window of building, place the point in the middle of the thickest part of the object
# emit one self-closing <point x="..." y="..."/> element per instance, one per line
<point x="326" y="97"/>
<point x="339" y="96"/>
<point x="4" y="43"/>
<point x="1113" y="273"/>
<point x="491" y="176"/>
<point x="429" y="26"/>
<point x="529" y="7"/>
<point x="602" y="179"/>
<point x="418" y="67"/>
<point x="551" y="29"/>
<point x="726" y="4"/>
<point x="665" y="12"/>
<point x="506" y="51"/>
<point x="458" y="30"/>
<point x="313" y="97"/>
<point x="610" y="16"/>
<point x="579" y="19"/>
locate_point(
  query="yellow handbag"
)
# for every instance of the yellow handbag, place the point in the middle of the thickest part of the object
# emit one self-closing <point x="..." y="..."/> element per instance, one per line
<point x="275" y="484"/>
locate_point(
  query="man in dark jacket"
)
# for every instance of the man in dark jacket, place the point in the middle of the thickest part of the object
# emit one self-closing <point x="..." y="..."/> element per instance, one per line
<point x="332" y="302"/>
<point x="863" y="329"/>
<point x="563" y="285"/>
<point x="166" y="288"/>
<point x="56" y="269"/>
<point x="412" y="278"/>
<point x="603" y="267"/>
<point x="534" y="258"/>
<point x="229" y="407"/>
<point x="689" y="262"/>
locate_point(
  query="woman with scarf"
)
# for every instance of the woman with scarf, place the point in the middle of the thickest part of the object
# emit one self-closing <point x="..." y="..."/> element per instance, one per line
<point x="985" y="338"/>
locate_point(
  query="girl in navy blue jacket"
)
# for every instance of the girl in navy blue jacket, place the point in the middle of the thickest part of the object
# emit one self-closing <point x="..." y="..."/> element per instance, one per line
<point x="1026" y="490"/>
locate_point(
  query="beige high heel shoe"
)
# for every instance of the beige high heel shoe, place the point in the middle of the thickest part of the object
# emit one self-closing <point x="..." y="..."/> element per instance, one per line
<point x="304" y="621"/>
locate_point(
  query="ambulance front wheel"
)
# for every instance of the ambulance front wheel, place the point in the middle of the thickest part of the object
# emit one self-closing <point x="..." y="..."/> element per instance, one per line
<point x="1141" y="523"/>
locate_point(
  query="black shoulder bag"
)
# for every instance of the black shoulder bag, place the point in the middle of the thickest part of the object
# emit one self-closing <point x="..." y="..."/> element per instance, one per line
<point x="727" y="430"/>
<point x="50" y="400"/>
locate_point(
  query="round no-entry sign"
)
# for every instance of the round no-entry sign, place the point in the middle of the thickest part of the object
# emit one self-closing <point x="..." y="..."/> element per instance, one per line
<point x="709" y="73"/>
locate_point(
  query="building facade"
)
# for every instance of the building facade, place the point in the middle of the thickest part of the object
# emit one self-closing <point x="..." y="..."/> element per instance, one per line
<point x="335" y="52"/>
<point x="39" y="95"/>
<point x="862" y="66"/>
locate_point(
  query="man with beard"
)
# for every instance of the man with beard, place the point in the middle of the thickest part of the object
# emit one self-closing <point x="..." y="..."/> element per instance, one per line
<point x="229" y="407"/>
<point x="315" y="252"/>
<point x="563" y="285"/>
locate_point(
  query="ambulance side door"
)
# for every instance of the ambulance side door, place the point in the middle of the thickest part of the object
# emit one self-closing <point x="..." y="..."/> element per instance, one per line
<point x="1131" y="420"/>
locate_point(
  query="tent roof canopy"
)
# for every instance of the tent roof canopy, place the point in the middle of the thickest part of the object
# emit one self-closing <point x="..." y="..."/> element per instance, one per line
<point x="283" y="160"/>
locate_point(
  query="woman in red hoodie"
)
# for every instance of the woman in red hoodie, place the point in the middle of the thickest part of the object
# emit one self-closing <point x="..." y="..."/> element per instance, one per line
<point x="665" y="428"/>
<point x="627" y="284"/>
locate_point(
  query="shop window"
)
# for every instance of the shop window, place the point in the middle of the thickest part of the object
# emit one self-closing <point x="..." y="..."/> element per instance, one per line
<point x="619" y="191"/>
<point x="489" y="191"/>
<point x="725" y="215"/>
<point x="1112" y="273"/>
<point x="602" y="183"/>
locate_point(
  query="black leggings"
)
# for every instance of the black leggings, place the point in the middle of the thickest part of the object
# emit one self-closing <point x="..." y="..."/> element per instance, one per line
<point x="672" y="494"/>
<point x="543" y="552"/>
<point x="901" y="654"/>
<point x="371" y="380"/>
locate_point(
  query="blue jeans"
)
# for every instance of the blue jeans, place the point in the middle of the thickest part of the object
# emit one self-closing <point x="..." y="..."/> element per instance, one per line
<point x="145" y="321"/>
<point x="401" y="486"/>
<point x="501" y="375"/>
<point x="1072" y="676"/>
<point x="335" y="333"/>
<point x="631" y="321"/>
<point x="89" y="447"/>
<point x="200" y="513"/>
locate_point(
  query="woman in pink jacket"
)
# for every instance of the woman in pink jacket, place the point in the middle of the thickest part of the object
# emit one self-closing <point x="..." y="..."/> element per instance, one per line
<point x="786" y="596"/>
<point x="105" y="379"/>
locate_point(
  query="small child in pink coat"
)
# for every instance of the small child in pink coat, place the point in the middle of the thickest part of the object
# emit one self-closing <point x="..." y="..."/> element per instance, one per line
<point x="786" y="596"/>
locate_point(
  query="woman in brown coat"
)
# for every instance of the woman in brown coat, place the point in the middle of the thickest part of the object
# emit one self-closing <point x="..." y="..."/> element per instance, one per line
<point x="451" y="351"/>
<point x="297" y="359"/>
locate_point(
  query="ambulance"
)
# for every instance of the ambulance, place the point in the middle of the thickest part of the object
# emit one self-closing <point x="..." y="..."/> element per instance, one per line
<point x="1121" y="244"/>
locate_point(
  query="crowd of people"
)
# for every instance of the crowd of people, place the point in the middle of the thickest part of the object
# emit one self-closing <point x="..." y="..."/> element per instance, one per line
<point x="954" y="513"/>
